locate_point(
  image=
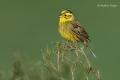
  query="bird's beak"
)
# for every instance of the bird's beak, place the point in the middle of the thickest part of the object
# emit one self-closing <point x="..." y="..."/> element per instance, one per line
<point x="59" y="15"/>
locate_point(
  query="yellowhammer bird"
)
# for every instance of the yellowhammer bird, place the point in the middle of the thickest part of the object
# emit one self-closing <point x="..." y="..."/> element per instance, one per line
<point x="71" y="30"/>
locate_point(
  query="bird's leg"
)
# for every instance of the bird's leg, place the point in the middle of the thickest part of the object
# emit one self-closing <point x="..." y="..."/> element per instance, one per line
<point x="68" y="44"/>
<point x="73" y="45"/>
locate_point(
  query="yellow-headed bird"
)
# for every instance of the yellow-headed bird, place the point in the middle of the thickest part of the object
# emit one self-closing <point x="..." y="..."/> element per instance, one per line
<point x="71" y="30"/>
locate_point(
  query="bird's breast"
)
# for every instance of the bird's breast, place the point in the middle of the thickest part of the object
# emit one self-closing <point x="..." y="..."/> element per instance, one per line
<point x="66" y="33"/>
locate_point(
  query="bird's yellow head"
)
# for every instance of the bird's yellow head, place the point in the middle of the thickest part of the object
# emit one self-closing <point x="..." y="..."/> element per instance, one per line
<point x="66" y="16"/>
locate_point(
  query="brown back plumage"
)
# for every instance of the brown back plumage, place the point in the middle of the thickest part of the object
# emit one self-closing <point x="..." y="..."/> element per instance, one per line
<point x="80" y="32"/>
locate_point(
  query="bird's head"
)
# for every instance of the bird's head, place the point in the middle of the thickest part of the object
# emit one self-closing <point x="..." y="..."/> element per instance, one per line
<point x="66" y="15"/>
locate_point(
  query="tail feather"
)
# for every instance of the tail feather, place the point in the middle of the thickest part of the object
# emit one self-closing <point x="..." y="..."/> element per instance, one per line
<point x="91" y="51"/>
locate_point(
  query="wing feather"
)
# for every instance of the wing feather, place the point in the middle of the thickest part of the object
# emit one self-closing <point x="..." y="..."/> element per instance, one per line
<point x="79" y="31"/>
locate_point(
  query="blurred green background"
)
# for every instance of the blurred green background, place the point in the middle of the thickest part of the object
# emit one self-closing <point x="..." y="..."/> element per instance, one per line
<point x="26" y="26"/>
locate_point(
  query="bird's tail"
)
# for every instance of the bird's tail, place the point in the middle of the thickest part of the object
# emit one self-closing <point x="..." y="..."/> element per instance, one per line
<point x="91" y="51"/>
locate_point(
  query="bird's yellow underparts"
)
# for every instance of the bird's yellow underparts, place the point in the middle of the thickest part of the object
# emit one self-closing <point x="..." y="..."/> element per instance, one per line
<point x="71" y="30"/>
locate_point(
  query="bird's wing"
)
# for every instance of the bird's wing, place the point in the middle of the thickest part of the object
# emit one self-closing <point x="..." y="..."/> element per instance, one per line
<point x="79" y="31"/>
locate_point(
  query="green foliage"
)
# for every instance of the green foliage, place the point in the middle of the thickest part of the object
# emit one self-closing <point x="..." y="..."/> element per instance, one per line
<point x="66" y="61"/>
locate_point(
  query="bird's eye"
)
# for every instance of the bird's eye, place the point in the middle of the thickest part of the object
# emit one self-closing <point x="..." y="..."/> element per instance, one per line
<point x="65" y="15"/>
